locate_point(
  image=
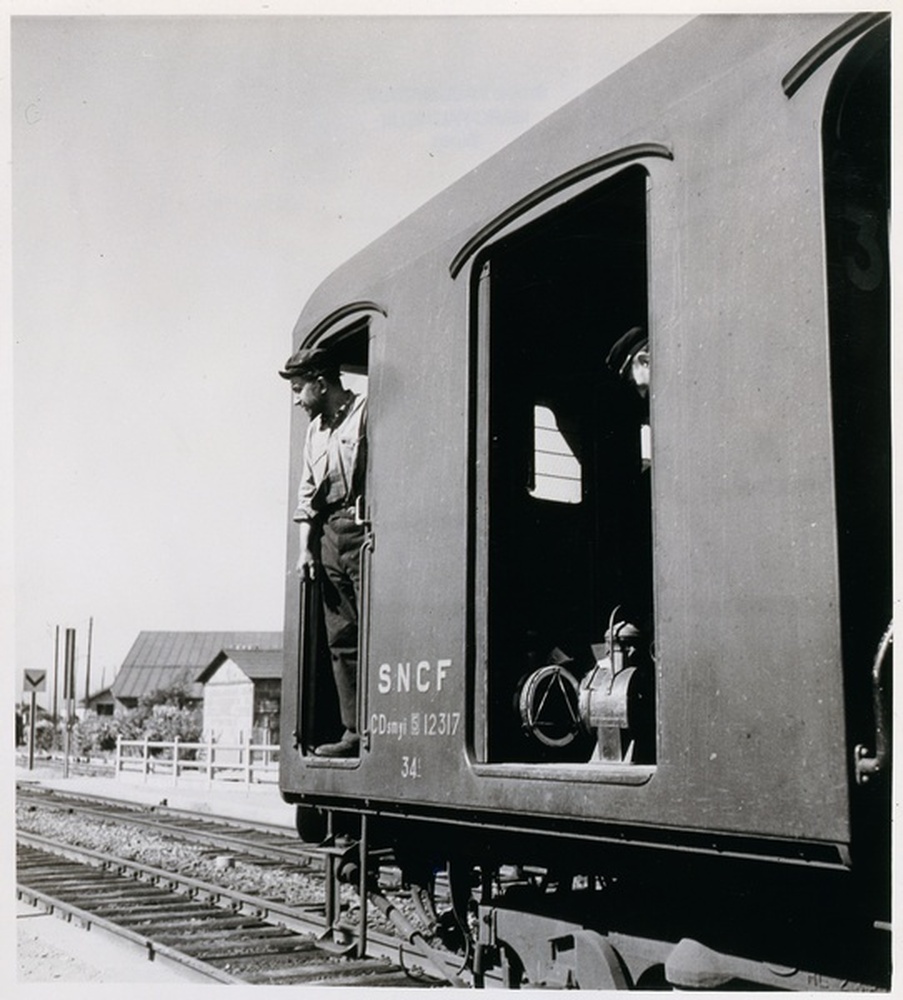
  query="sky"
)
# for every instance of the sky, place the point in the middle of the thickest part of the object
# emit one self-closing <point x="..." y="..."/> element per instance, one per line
<point x="180" y="185"/>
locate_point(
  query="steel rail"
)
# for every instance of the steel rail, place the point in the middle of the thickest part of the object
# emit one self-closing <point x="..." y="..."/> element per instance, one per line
<point x="297" y="921"/>
<point x="26" y="790"/>
<point x="153" y="949"/>
<point x="293" y="917"/>
<point x="172" y="821"/>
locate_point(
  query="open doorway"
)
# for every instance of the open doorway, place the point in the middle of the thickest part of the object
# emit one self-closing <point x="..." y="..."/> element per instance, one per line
<point x="856" y="150"/>
<point x="318" y="708"/>
<point x="567" y="496"/>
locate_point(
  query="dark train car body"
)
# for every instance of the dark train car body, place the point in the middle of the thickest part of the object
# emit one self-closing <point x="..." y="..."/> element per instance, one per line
<point x="725" y="796"/>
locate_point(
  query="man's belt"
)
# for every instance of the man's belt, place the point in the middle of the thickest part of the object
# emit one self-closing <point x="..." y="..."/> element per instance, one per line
<point x="343" y="507"/>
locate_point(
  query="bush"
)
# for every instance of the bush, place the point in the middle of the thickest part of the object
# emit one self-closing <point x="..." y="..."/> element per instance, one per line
<point x="167" y="723"/>
<point x="96" y="734"/>
<point x="163" y="716"/>
<point x="44" y="735"/>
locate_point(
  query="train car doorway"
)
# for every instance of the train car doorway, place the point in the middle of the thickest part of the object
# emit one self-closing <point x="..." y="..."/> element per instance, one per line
<point x="317" y="713"/>
<point x="564" y="509"/>
<point x="856" y="144"/>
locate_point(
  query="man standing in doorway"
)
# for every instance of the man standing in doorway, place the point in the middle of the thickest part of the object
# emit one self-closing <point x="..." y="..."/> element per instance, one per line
<point x="629" y="360"/>
<point x="332" y="483"/>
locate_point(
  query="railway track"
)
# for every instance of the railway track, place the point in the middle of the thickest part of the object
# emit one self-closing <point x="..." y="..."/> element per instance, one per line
<point x="260" y="842"/>
<point x="217" y="930"/>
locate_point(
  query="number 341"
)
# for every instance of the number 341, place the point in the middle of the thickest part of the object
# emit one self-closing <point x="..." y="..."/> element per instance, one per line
<point x="410" y="767"/>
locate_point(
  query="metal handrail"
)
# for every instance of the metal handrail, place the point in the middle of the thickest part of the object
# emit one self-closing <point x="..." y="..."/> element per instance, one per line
<point x="867" y="766"/>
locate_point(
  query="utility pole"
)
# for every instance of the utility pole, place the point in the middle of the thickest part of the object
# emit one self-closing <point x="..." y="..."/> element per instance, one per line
<point x="56" y="675"/>
<point x="68" y="694"/>
<point x="88" y="662"/>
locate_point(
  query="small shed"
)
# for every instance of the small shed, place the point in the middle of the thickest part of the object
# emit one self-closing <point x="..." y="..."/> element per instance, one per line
<point x="100" y="703"/>
<point x="242" y="692"/>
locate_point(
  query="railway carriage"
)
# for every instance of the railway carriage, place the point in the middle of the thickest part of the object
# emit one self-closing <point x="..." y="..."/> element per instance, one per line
<point x="624" y="669"/>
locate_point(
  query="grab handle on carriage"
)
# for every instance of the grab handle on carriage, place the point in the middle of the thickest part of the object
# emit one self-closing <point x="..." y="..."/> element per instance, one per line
<point x="867" y="766"/>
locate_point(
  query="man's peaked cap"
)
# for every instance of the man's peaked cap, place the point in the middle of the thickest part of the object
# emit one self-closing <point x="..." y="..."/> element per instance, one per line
<point x="309" y="363"/>
<point x="625" y="349"/>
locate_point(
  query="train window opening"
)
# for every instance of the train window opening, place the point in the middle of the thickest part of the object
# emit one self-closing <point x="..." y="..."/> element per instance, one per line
<point x="557" y="472"/>
<point x="568" y="537"/>
<point x="319" y="718"/>
<point x="856" y="163"/>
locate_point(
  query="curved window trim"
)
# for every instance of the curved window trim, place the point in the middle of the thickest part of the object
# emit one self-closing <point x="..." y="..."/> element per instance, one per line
<point x="324" y="327"/>
<point x="555" y="186"/>
<point x="831" y="43"/>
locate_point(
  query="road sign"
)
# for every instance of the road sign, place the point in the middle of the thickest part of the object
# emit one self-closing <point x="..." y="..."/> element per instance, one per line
<point x="35" y="680"/>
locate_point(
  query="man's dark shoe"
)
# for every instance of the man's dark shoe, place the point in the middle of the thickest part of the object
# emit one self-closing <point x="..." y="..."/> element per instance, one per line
<point x="347" y="746"/>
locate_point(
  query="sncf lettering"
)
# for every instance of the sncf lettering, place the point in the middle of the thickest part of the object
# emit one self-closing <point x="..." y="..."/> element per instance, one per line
<point x="407" y="676"/>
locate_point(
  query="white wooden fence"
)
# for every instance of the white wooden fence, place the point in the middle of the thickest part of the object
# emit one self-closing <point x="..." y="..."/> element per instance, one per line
<point x="248" y="762"/>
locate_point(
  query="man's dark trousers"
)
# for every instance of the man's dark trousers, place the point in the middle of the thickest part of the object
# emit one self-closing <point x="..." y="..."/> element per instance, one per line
<point x="340" y="557"/>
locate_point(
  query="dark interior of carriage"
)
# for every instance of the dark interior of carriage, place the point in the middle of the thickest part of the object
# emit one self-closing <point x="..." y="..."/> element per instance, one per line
<point x="569" y="531"/>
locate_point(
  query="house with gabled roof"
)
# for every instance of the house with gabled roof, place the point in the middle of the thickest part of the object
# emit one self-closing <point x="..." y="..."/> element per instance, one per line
<point x="100" y="702"/>
<point x="242" y="695"/>
<point x="158" y="660"/>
